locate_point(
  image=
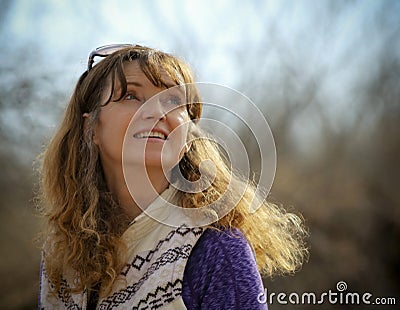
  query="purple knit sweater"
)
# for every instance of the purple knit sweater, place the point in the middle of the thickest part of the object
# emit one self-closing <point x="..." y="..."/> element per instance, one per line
<point x="221" y="273"/>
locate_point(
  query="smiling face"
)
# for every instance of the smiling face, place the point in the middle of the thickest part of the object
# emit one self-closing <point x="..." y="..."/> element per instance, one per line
<point x="150" y="122"/>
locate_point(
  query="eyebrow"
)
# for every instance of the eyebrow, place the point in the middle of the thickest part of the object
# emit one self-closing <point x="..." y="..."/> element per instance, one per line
<point x="134" y="83"/>
<point x="138" y="84"/>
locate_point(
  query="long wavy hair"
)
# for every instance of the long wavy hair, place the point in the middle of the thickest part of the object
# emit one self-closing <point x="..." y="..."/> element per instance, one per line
<point x="84" y="223"/>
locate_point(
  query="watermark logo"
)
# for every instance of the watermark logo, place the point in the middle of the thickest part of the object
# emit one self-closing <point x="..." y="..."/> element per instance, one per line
<point x="339" y="297"/>
<point x="341" y="286"/>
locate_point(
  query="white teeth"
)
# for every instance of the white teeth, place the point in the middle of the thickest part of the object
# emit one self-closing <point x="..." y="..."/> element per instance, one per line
<point x="150" y="134"/>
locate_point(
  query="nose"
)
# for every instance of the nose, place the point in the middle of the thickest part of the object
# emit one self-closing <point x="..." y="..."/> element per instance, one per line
<point x="153" y="109"/>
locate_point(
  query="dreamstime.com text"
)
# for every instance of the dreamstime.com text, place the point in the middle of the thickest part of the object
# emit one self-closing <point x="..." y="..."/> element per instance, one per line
<point x="338" y="297"/>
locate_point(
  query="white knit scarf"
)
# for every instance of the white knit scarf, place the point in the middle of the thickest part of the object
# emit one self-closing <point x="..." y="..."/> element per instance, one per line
<point x="153" y="276"/>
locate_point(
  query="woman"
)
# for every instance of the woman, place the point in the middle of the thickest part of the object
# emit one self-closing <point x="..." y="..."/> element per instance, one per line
<point x="124" y="147"/>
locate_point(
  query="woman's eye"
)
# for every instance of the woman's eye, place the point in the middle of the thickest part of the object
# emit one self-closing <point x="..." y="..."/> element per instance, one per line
<point x="173" y="100"/>
<point x="131" y="97"/>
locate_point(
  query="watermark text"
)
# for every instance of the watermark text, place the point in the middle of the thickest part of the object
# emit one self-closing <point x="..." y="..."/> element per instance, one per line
<point x="340" y="296"/>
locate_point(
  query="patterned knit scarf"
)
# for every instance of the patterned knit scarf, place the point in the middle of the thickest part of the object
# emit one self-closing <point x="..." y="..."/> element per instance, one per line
<point x="153" y="276"/>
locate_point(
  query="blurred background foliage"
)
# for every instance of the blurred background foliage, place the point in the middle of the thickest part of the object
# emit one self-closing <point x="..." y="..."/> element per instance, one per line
<point x="326" y="75"/>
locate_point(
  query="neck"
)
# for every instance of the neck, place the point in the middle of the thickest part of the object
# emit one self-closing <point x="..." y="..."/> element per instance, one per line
<point x="138" y="189"/>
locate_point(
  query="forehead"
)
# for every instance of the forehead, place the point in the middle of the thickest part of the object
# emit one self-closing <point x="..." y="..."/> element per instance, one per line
<point x="133" y="72"/>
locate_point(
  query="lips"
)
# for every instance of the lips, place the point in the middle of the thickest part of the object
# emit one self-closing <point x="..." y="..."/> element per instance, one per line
<point x="155" y="133"/>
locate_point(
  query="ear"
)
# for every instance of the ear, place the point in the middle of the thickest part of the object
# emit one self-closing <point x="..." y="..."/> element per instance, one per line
<point x="188" y="145"/>
<point x="190" y="136"/>
<point x="87" y="119"/>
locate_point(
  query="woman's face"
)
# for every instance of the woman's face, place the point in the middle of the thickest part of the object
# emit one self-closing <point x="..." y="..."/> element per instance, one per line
<point x="149" y="123"/>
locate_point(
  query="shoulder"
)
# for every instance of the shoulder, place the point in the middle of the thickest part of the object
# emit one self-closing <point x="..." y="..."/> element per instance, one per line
<point x="227" y="249"/>
<point x="227" y="243"/>
<point x="221" y="271"/>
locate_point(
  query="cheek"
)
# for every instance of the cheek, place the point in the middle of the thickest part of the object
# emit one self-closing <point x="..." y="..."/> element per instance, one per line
<point x="109" y="134"/>
<point x="180" y="135"/>
<point x="180" y="123"/>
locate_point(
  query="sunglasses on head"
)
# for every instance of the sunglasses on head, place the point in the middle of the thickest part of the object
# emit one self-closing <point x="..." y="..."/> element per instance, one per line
<point x="106" y="50"/>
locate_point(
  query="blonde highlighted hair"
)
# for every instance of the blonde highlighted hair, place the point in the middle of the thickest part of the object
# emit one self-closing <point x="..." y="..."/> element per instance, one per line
<point x="83" y="229"/>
